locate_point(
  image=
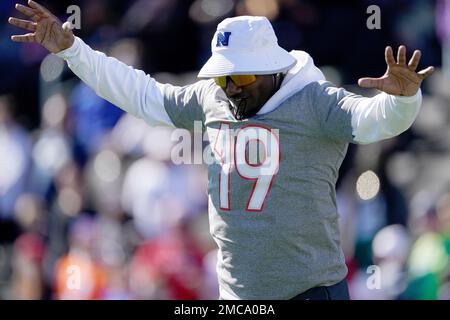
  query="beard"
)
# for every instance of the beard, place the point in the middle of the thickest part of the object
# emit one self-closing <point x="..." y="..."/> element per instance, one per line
<point x="241" y="110"/>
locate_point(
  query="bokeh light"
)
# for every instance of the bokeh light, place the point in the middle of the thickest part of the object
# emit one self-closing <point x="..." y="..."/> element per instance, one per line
<point x="54" y="110"/>
<point x="368" y="185"/>
<point x="51" y="68"/>
<point x="207" y="11"/>
<point x="107" y="165"/>
<point x="69" y="201"/>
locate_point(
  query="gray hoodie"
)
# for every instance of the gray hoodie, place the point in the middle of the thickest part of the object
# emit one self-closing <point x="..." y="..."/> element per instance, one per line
<point x="272" y="212"/>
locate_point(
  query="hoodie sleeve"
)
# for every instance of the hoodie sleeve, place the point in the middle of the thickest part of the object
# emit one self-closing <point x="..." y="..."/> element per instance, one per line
<point x="130" y="89"/>
<point x="347" y="117"/>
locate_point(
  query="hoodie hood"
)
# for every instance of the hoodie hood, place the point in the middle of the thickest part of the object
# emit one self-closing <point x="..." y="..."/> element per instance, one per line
<point x="303" y="73"/>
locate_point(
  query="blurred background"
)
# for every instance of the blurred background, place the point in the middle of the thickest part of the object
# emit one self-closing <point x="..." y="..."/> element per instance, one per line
<point x="86" y="190"/>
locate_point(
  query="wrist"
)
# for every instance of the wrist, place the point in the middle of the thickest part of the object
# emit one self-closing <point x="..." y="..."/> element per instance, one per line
<point x="67" y="44"/>
<point x="407" y="99"/>
<point x="71" y="49"/>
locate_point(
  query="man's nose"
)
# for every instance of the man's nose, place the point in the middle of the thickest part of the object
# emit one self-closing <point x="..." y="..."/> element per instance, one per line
<point x="232" y="89"/>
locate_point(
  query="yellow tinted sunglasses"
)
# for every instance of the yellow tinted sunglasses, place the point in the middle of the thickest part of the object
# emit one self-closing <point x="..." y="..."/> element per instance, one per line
<point x="238" y="80"/>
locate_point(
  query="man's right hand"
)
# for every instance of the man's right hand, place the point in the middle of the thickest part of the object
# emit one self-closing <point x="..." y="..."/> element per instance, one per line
<point x="46" y="29"/>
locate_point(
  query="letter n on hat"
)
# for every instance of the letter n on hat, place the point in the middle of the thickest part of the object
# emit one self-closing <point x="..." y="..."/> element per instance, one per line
<point x="222" y="39"/>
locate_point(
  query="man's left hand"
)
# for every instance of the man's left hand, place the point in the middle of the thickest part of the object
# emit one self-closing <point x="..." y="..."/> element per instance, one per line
<point x="400" y="79"/>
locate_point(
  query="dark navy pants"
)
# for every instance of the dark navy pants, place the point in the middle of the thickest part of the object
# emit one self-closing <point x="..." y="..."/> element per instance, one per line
<point x="339" y="291"/>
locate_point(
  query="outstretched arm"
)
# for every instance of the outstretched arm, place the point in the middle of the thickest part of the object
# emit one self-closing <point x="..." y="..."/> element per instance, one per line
<point x="395" y="109"/>
<point x="131" y="90"/>
<point x="383" y="116"/>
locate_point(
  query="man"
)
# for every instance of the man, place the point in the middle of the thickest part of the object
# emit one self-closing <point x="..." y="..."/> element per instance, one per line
<point x="272" y="211"/>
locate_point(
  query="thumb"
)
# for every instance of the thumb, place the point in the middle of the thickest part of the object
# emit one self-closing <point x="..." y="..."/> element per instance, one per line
<point x="68" y="36"/>
<point x="370" y="83"/>
<point x="67" y="27"/>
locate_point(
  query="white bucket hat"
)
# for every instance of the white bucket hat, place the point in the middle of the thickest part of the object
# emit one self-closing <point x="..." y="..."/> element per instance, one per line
<point x="246" y="45"/>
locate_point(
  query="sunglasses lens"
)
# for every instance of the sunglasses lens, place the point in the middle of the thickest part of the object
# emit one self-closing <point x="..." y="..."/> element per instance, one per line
<point x="243" y="80"/>
<point x="239" y="80"/>
<point x="221" y="82"/>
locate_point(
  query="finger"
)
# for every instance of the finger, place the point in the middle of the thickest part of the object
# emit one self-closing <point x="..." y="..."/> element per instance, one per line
<point x="414" y="62"/>
<point x="24" y="24"/>
<point x="389" y="55"/>
<point x="29" y="37"/>
<point x="39" y="8"/>
<point x="401" y="56"/>
<point x="370" y="83"/>
<point x="25" y="10"/>
<point x="425" y="73"/>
